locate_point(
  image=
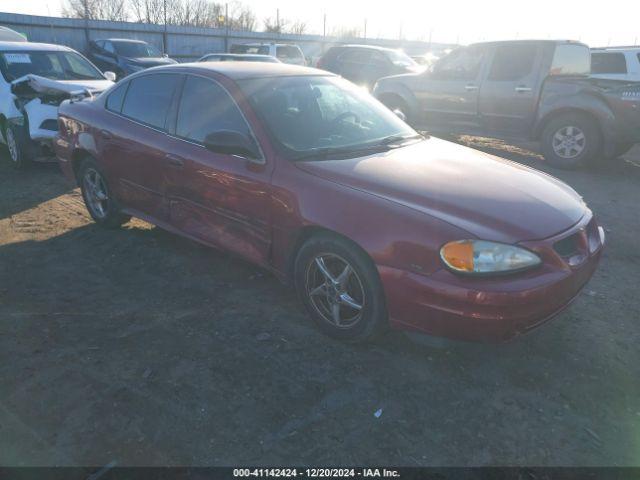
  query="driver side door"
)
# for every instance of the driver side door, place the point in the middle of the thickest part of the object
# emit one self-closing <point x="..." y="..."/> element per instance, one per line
<point x="220" y="199"/>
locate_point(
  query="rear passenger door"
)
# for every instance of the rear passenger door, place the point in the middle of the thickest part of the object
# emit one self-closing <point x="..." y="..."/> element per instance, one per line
<point x="134" y="141"/>
<point x="219" y="198"/>
<point x="509" y="94"/>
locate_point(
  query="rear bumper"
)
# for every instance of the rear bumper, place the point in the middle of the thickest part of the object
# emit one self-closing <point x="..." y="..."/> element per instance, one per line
<point x="488" y="309"/>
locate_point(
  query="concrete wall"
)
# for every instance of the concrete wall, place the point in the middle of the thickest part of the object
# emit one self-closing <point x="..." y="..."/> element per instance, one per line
<point x="182" y="43"/>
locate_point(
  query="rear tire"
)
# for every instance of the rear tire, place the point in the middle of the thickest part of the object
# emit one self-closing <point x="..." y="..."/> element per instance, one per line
<point x="96" y="193"/>
<point x="19" y="146"/>
<point x="340" y="288"/>
<point x="571" y="141"/>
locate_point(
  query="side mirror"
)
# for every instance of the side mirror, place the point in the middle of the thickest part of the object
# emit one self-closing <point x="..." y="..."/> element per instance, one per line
<point x="232" y="143"/>
<point x="110" y="76"/>
<point x="400" y="114"/>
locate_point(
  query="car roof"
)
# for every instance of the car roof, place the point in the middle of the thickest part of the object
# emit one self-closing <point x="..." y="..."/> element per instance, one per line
<point x="370" y="47"/>
<point x="266" y="44"/>
<point x="247" y="70"/>
<point x="616" y="49"/>
<point x="529" y="41"/>
<point x="31" y="46"/>
<point x="127" y="40"/>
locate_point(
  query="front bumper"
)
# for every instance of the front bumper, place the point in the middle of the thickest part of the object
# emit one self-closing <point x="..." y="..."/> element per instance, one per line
<point x="495" y="309"/>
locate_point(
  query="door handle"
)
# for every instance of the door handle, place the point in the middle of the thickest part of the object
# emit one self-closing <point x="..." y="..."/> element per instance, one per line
<point x="523" y="89"/>
<point x="471" y="88"/>
<point x="174" y="160"/>
<point x="106" y="134"/>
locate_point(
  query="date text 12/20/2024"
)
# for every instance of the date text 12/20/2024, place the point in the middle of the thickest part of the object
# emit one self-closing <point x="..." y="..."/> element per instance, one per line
<point x="316" y="472"/>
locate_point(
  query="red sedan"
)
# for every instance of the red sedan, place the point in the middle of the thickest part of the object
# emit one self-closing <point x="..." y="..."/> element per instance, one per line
<point x="301" y="172"/>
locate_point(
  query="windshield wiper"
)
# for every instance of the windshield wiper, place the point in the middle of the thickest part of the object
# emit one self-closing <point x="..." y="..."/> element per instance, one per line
<point x="323" y="153"/>
<point x="400" y="139"/>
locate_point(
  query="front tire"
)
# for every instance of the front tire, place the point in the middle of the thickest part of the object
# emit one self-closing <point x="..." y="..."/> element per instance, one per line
<point x="97" y="196"/>
<point x="18" y="144"/>
<point x="340" y="288"/>
<point x="571" y="141"/>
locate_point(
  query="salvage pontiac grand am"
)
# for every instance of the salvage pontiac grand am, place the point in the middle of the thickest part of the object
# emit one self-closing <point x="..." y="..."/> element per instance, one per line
<point x="301" y="172"/>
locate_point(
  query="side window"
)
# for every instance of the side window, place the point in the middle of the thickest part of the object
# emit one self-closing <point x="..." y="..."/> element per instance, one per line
<point x="355" y="55"/>
<point x="149" y="98"/>
<point x="378" y="59"/>
<point x="608" y="62"/>
<point x="513" y="62"/>
<point x="108" y="46"/>
<point x="288" y="52"/>
<point x="462" y="64"/>
<point x="115" y="98"/>
<point x="205" y="108"/>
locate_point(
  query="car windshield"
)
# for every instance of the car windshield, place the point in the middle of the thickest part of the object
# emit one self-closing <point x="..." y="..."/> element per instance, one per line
<point x="400" y="58"/>
<point x="54" y="65"/>
<point x="311" y="115"/>
<point x="136" y="50"/>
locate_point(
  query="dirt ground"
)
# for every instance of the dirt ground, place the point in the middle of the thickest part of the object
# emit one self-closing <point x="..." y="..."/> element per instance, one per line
<point x="138" y="347"/>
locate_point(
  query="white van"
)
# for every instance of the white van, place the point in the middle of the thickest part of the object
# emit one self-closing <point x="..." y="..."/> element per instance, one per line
<point x="285" y="52"/>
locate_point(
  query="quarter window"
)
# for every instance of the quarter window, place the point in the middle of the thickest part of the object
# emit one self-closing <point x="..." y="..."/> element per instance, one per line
<point x="608" y="62"/>
<point x="513" y="62"/>
<point x="206" y="108"/>
<point x="115" y="98"/>
<point x="149" y="98"/>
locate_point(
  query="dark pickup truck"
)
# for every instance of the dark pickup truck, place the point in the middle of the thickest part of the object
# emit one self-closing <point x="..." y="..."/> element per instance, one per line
<point x="525" y="90"/>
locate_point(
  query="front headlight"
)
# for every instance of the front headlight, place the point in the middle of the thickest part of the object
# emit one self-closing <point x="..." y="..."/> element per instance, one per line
<point x="480" y="256"/>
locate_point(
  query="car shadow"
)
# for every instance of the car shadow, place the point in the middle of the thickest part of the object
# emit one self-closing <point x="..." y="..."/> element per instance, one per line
<point x="37" y="183"/>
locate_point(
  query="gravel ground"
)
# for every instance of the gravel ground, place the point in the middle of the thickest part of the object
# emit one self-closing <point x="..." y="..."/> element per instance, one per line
<point x="139" y="347"/>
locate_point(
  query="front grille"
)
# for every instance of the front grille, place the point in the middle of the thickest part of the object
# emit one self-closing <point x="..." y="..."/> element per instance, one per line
<point x="568" y="246"/>
<point x="49" y="124"/>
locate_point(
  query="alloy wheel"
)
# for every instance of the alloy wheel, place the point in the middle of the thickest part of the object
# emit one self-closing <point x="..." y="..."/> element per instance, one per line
<point x="335" y="290"/>
<point x="12" y="145"/>
<point x="96" y="193"/>
<point x="569" y="142"/>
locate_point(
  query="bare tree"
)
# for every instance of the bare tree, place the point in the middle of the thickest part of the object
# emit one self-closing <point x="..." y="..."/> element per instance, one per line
<point x="299" y="27"/>
<point x="149" y="11"/>
<point x="241" y="17"/>
<point x="272" y="25"/>
<point x="114" y="10"/>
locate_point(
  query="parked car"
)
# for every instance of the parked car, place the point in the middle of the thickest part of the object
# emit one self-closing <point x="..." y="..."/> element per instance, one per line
<point x="286" y="53"/>
<point x="238" y="57"/>
<point x="305" y="174"/>
<point x="529" y="90"/>
<point x="125" y="57"/>
<point x="365" y="64"/>
<point x="616" y="63"/>
<point x="36" y="78"/>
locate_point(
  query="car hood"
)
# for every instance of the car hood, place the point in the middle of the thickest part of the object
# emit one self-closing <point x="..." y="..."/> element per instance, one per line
<point x="489" y="197"/>
<point x="149" y="61"/>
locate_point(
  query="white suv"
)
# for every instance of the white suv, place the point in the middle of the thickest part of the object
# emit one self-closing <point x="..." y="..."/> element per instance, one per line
<point x="286" y="53"/>
<point x="616" y="63"/>
<point x="34" y="79"/>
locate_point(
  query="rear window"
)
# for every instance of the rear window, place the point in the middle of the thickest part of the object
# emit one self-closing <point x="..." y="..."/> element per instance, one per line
<point x="149" y="98"/>
<point x="571" y="59"/>
<point x="608" y="62"/>
<point x="254" y="49"/>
